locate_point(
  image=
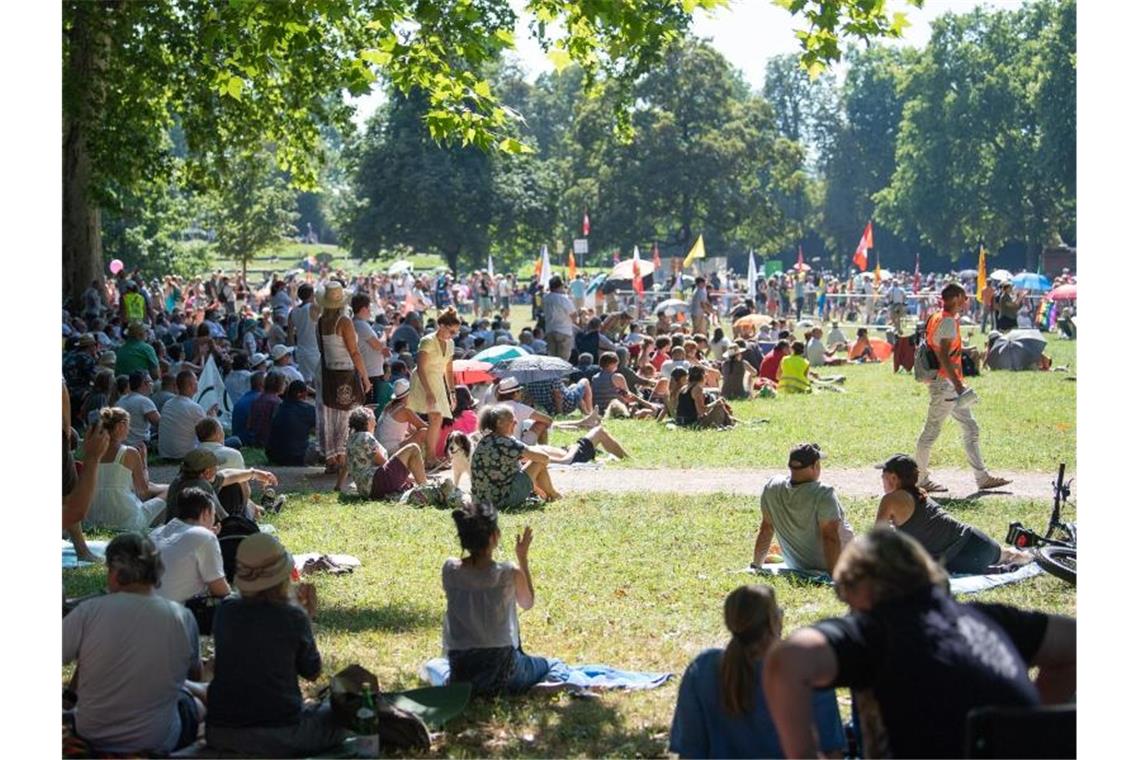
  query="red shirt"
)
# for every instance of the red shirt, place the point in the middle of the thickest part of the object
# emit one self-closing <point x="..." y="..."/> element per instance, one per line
<point x="770" y="363"/>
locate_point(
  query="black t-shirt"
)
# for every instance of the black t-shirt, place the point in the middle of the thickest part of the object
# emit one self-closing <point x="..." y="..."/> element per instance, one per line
<point x="918" y="665"/>
<point x="260" y="649"/>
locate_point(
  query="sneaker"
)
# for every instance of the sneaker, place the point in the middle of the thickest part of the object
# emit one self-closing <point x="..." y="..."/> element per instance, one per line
<point x="930" y="486"/>
<point x="991" y="481"/>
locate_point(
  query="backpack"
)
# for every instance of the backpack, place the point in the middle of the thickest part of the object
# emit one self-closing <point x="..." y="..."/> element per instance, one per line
<point x="234" y="529"/>
<point x="925" y="360"/>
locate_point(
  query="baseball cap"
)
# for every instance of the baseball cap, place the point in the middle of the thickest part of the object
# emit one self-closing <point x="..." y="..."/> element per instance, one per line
<point x="199" y="460"/>
<point x="901" y="465"/>
<point x="257" y="358"/>
<point x="804" y="455"/>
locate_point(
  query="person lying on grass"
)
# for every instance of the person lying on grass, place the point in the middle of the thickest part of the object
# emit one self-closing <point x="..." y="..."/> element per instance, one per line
<point x="916" y="661"/>
<point x="694" y="410"/>
<point x="721" y="710"/>
<point x="138" y="671"/>
<point x="585" y="449"/>
<point x="481" y="625"/>
<point x="958" y="547"/>
<point x="263" y="641"/>
<point x="496" y="474"/>
<point x="377" y="474"/>
<point x="804" y="513"/>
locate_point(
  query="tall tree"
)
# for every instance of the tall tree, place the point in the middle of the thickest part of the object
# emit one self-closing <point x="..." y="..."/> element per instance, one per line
<point x="253" y="209"/>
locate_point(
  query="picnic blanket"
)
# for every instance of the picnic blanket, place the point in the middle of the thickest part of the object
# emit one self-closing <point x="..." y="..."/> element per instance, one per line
<point x="98" y="548"/>
<point x="959" y="584"/>
<point x="437" y="670"/>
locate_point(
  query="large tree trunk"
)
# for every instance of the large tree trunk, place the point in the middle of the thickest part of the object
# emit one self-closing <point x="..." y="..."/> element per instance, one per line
<point x="82" y="240"/>
<point x="451" y="253"/>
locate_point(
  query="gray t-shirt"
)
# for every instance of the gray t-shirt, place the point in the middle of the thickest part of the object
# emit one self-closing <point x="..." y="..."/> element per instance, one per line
<point x="138" y="406"/>
<point x="815" y="352"/>
<point x="700" y="296"/>
<point x="134" y="652"/>
<point x="796" y="512"/>
<point x="556" y="307"/>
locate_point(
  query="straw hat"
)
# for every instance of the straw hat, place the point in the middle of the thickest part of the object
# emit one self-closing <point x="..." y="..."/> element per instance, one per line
<point x="331" y="296"/>
<point x="262" y="563"/>
<point x="509" y="385"/>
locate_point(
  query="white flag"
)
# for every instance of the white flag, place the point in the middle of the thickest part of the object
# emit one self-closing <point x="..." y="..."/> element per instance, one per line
<point x="212" y="390"/>
<point x="545" y="273"/>
<point x="490" y="266"/>
<point x="752" y="275"/>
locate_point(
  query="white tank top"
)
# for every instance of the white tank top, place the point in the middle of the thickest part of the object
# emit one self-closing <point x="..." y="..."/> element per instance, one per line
<point x="306" y="328"/>
<point x="336" y="352"/>
<point x="390" y="432"/>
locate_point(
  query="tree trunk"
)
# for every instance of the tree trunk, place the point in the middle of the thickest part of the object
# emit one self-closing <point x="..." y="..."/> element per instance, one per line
<point x="451" y="253"/>
<point x="82" y="239"/>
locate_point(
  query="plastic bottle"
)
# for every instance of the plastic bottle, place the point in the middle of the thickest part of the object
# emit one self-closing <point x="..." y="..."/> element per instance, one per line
<point x="367" y="726"/>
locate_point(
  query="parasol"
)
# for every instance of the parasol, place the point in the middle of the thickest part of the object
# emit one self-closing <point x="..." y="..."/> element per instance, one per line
<point x="399" y="267"/>
<point x="498" y="354"/>
<point x="671" y="306"/>
<point x="534" y="368"/>
<point x="1038" y="283"/>
<point x="1064" y="293"/>
<point x="471" y="372"/>
<point x="624" y="270"/>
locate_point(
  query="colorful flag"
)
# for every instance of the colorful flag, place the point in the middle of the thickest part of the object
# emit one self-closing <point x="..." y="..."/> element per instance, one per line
<point x="866" y="243"/>
<point x="538" y="266"/>
<point x="656" y="256"/>
<point x="981" y="272"/>
<point x="586" y="223"/>
<point x="696" y="252"/>
<point x="545" y="272"/>
<point x="878" y="273"/>
<point x="490" y="266"/>
<point x="572" y="266"/>
<point x="638" y="285"/>
<point x="917" y="275"/>
<point x="752" y="274"/>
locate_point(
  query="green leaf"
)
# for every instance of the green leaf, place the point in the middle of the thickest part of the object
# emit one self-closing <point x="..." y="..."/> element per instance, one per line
<point x="378" y="57"/>
<point x="506" y="36"/>
<point x="234" y="88"/>
<point x="560" y="59"/>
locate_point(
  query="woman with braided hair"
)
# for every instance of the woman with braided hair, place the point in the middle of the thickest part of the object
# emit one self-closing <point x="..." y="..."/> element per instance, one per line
<point x="721" y="710"/>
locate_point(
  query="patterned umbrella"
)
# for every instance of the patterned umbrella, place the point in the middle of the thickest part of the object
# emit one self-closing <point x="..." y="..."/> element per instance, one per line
<point x="624" y="270"/>
<point x="498" y="354"/>
<point x="533" y="368"/>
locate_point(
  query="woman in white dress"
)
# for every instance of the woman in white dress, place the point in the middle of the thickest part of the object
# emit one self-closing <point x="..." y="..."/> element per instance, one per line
<point x="124" y="498"/>
<point x="433" y="382"/>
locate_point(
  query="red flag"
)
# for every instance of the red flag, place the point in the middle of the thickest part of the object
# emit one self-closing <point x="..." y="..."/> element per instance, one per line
<point x="638" y="285"/>
<point x="656" y="256"/>
<point x="865" y="243"/>
<point x="917" y="276"/>
<point x="586" y="223"/>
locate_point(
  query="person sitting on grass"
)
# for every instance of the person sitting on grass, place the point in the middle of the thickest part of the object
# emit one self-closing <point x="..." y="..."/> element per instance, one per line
<point x="861" y="350"/>
<point x="917" y="661"/>
<point x="509" y="391"/>
<point x="124" y="498"/>
<point x="958" y="547"/>
<point x="190" y="552"/>
<point x="804" y="514"/>
<point x="496" y="475"/>
<point x="481" y="625"/>
<point x="609" y="385"/>
<point x="693" y="410"/>
<point x="398" y="425"/>
<point x="793" y="373"/>
<point x="736" y="375"/>
<point x="290" y="429"/>
<point x="138" y="666"/>
<point x="239" y="418"/>
<point x="677" y="380"/>
<point x="819" y="355"/>
<point x="200" y="470"/>
<point x="721" y="710"/>
<point x="377" y="474"/>
<point x="263" y="641"/>
<point x="770" y="364"/>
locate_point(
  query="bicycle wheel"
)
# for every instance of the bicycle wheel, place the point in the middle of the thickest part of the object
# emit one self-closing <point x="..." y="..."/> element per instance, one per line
<point x="1060" y="561"/>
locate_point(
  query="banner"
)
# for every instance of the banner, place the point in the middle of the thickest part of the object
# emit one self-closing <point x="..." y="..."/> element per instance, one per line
<point x="773" y="267"/>
<point x="544" y="272"/>
<point x="212" y="391"/>
<point x="981" y="272"/>
<point x="638" y="285"/>
<point x="752" y="275"/>
<point x="696" y="252"/>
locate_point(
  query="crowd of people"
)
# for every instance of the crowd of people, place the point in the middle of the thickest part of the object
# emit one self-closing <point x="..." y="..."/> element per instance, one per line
<point x="357" y="374"/>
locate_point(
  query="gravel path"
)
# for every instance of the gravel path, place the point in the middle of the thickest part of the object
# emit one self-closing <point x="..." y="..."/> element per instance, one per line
<point x="861" y="482"/>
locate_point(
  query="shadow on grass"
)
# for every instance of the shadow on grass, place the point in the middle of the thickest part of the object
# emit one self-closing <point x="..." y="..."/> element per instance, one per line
<point x="395" y="617"/>
<point x="549" y="726"/>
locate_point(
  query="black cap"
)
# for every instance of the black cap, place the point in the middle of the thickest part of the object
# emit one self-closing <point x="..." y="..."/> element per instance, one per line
<point x="804" y="455"/>
<point x="900" y="464"/>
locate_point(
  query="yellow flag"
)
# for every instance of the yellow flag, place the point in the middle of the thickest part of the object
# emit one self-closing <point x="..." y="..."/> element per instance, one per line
<point x="981" y="271"/>
<point x="696" y="252"/>
<point x="878" y="274"/>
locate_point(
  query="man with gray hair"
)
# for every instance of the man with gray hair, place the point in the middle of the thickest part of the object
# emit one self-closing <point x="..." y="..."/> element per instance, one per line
<point x="151" y="700"/>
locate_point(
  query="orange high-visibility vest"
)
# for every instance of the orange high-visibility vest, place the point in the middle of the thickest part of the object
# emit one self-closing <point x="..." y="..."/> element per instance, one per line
<point x="955" y="345"/>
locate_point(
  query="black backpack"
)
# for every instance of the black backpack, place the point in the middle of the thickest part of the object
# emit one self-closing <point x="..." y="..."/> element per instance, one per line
<point x="234" y="529"/>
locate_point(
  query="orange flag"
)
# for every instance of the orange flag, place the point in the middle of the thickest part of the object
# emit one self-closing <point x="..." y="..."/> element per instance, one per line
<point x="571" y="265"/>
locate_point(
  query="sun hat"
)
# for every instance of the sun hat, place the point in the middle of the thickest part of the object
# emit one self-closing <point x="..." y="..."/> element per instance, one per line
<point x="331" y="296"/>
<point x="86" y="340"/>
<point x="262" y="563"/>
<point x="257" y="358"/>
<point x="401" y="388"/>
<point x="107" y="359"/>
<point x="731" y="351"/>
<point x="281" y="350"/>
<point x="199" y="460"/>
<point x="509" y="385"/>
<point x="901" y="465"/>
<point x="804" y="455"/>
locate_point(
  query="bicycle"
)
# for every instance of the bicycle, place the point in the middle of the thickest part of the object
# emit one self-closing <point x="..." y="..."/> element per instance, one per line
<point x="1056" y="551"/>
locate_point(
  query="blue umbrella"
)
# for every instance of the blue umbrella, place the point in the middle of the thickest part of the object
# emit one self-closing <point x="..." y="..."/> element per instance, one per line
<point x="596" y="283"/>
<point x="496" y="354"/>
<point x="1032" y="281"/>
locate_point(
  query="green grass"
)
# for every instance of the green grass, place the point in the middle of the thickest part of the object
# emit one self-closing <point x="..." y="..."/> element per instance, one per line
<point x="288" y="256"/>
<point x="609" y="590"/>
<point x="1028" y="422"/>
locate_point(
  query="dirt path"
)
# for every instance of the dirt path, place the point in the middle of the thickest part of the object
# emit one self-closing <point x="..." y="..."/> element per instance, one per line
<point x="861" y="482"/>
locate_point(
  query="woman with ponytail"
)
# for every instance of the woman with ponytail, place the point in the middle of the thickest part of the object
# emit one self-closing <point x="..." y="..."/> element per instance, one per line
<point x="721" y="710"/>
<point x="481" y="626"/>
<point x="433" y="383"/>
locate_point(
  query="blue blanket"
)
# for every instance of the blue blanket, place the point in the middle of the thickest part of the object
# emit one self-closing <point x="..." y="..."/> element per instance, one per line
<point x="71" y="561"/>
<point x="959" y="584"/>
<point x="436" y="672"/>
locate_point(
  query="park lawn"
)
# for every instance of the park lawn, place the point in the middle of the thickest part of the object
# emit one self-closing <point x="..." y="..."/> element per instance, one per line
<point x="609" y="591"/>
<point x="1028" y="422"/>
<point x="288" y="255"/>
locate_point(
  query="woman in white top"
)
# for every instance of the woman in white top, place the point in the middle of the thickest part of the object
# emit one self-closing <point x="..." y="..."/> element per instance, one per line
<point x="398" y="425"/>
<point x="124" y="499"/>
<point x="339" y="353"/>
<point x="303" y="334"/>
<point x="433" y="383"/>
<point x="481" y="625"/>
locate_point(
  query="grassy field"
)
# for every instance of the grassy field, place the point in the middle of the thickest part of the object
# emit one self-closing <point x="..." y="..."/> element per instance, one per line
<point x="609" y="590"/>
<point x="1028" y="422"/>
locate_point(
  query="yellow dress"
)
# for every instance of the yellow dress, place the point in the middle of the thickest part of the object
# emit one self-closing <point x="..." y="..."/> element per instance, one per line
<point x="434" y="359"/>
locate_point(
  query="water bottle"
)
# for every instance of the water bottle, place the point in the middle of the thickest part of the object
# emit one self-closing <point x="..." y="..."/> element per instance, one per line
<point x="367" y="726"/>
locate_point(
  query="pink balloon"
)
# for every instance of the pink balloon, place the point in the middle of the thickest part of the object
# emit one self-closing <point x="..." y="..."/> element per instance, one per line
<point x="115" y="266"/>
